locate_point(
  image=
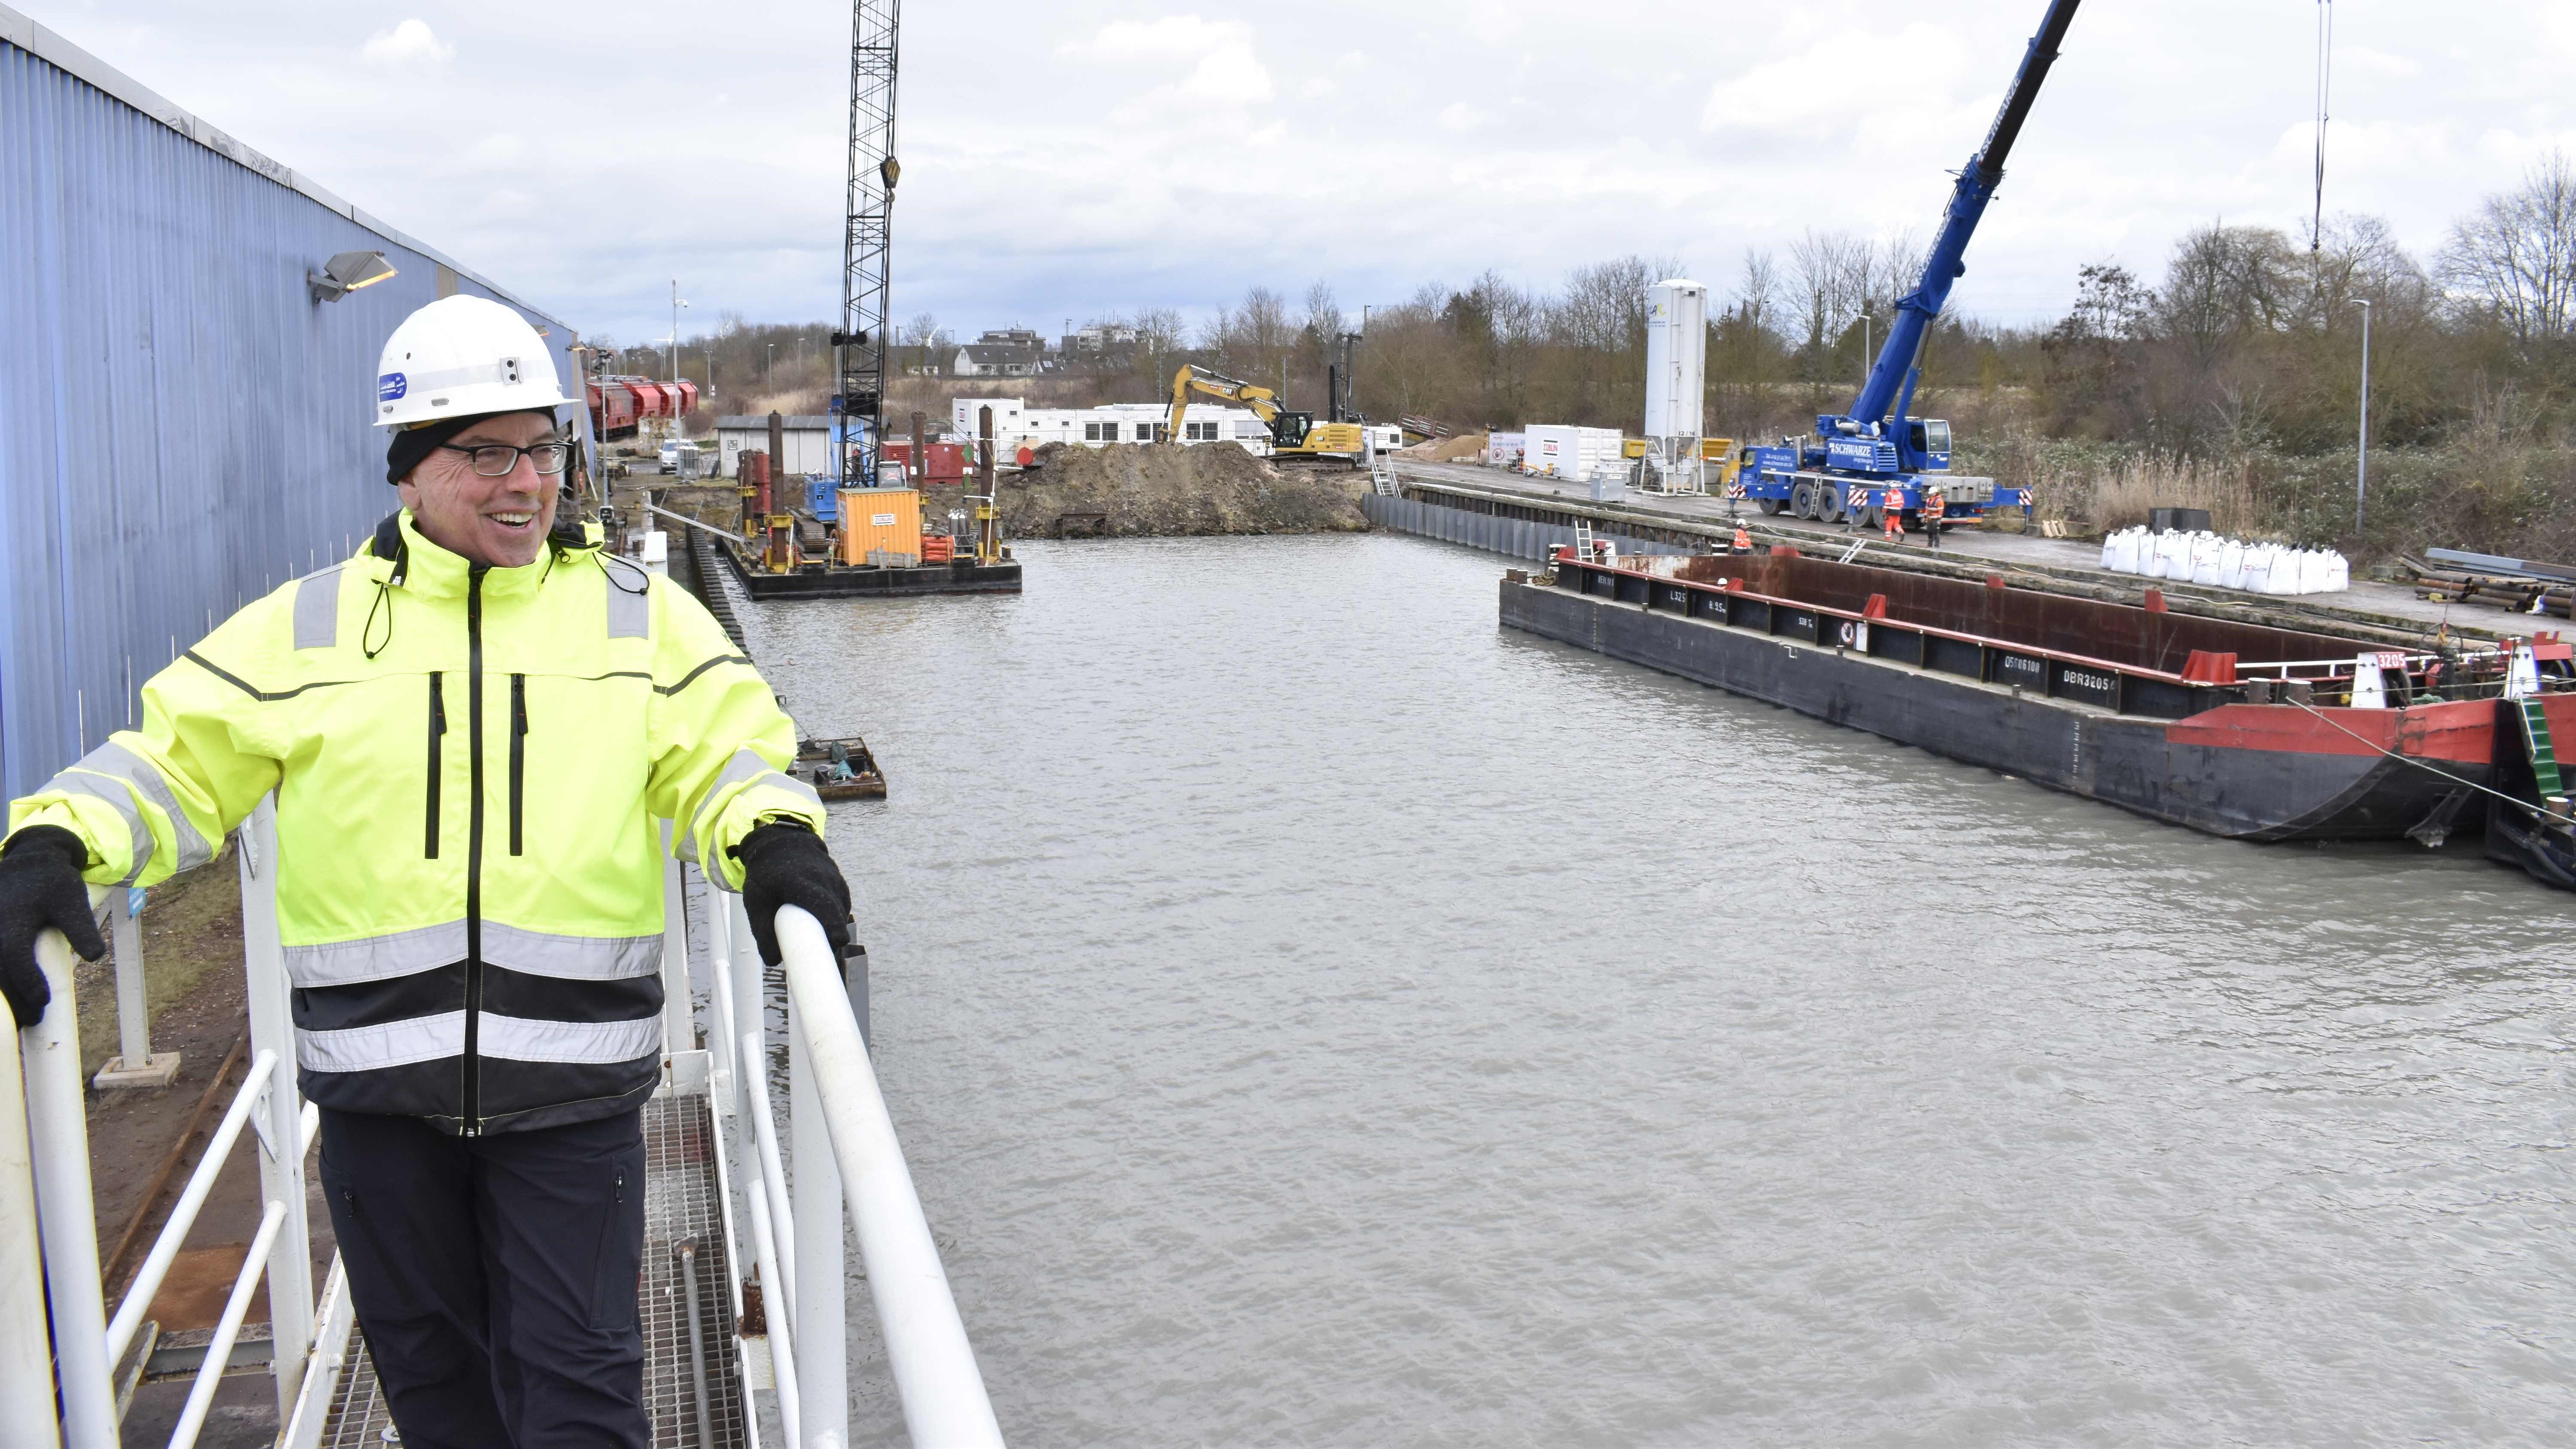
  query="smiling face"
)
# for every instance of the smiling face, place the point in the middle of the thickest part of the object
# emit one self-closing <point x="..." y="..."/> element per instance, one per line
<point x="497" y="521"/>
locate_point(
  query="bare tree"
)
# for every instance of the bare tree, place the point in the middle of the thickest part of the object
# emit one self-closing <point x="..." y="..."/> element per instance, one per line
<point x="1159" y="334"/>
<point x="1899" y="267"/>
<point x="1323" y="312"/>
<point x="1263" y="324"/>
<point x="923" y="333"/>
<point x="1831" y="270"/>
<point x="2514" y="259"/>
<point x="1757" y="295"/>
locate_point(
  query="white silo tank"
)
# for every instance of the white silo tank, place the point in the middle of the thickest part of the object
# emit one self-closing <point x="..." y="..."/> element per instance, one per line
<point x="1676" y="357"/>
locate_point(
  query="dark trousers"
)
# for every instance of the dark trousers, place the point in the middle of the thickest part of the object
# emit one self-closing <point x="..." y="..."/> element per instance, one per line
<point x="495" y="1277"/>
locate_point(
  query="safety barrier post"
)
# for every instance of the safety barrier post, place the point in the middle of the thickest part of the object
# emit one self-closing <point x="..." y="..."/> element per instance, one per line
<point x="280" y="1114"/>
<point x="135" y="1064"/>
<point x="722" y="1045"/>
<point x="26" y="1345"/>
<point x="679" y="1033"/>
<point x="822" y="1289"/>
<point x="944" y="1400"/>
<point x="750" y="1001"/>
<point x="58" y="1139"/>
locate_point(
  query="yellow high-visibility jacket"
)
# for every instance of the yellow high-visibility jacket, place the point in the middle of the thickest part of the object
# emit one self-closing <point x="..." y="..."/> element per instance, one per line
<point x="469" y="764"/>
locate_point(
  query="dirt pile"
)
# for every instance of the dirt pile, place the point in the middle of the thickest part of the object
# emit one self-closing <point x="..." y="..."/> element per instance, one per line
<point x="1163" y="490"/>
<point x="1465" y="448"/>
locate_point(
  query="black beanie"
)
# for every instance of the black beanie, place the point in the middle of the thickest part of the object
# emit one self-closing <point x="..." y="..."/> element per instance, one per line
<point x="409" y="447"/>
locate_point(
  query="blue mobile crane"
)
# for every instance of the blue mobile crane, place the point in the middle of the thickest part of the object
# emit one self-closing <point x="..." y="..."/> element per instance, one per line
<point x="1845" y="472"/>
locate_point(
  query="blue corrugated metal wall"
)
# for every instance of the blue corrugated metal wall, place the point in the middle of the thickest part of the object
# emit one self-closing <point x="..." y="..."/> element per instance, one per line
<point x="181" y="427"/>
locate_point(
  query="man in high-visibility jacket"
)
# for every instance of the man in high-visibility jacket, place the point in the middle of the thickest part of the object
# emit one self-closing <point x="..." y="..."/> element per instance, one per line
<point x="471" y="728"/>
<point x="1935" y="510"/>
<point x="1743" y="539"/>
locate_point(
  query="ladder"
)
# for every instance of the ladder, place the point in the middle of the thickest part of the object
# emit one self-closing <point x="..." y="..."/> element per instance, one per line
<point x="2544" y="756"/>
<point x="1383" y="480"/>
<point x="1583" y="540"/>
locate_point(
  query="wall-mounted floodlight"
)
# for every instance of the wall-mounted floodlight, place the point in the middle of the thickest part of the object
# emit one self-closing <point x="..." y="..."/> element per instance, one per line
<point x="346" y="273"/>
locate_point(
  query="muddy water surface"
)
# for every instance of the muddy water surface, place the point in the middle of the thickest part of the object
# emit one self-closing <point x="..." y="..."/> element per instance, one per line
<point x="1316" y="1016"/>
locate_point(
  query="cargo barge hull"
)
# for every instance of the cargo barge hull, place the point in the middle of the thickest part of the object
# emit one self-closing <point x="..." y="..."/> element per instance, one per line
<point x="2191" y="752"/>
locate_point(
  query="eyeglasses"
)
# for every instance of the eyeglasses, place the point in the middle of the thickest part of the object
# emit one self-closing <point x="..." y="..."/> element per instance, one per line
<point x="497" y="460"/>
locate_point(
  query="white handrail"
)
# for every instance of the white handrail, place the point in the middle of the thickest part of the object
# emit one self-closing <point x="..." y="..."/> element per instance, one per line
<point x="944" y="1401"/>
<point x="58" y="1134"/>
<point x="26" y="1342"/>
<point x="219" y="1350"/>
<point x="773" y="1171"/>
<point x="183" y="1217"/>
<point x="751" y="1100"/>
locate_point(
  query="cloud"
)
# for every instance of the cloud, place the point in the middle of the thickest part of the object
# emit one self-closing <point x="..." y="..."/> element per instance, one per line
<point x="1230" y="73"/>
<point x="410" y="43"/>
<point x="1156" y="42"/>
<point x="1781" y="96"/>
<point x="1147" y="136"/>
<point x="1215" y="60"/>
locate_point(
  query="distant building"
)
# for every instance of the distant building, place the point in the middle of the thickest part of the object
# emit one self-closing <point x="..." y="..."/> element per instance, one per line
<point x="1021" y="337"/>
<point x="1100" y="347"/>
<point x="806" y="439"/>
<point x="996" y="359"/>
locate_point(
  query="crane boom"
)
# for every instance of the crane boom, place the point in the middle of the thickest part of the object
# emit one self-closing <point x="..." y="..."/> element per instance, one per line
<point x="859" y="343"/>
<point x="1894" y="373"/>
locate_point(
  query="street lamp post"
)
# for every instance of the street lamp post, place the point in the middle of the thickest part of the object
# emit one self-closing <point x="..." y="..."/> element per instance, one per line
<point x="2361" y="471"/>
<point x="676" y="305"/>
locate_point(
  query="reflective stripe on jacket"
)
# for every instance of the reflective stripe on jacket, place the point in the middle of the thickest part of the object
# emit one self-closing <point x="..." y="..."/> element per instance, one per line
<point x="469" y="765"/>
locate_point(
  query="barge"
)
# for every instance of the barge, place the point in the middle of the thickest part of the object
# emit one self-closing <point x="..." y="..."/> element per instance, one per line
<point x="827" y="580"/>
<point x="2240" y="730"/>
<point x="842" y="769"/>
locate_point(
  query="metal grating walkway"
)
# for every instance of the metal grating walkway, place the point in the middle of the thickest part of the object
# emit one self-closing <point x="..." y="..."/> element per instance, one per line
<point x="680" y="1203"/>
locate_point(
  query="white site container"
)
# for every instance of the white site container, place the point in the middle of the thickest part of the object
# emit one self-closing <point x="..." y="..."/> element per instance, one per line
<point x="1676" y="357"/>
<point x="964" y="416"/>
<point x="1577" y="455"/>
<point x="1503" y="450"/>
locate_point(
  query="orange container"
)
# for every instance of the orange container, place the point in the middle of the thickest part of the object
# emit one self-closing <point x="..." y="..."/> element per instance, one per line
<point x="878" y="518"/>
<point x="938" y="548"/>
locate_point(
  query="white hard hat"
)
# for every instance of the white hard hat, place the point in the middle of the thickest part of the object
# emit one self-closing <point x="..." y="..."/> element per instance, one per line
<point x="463" y="357"/>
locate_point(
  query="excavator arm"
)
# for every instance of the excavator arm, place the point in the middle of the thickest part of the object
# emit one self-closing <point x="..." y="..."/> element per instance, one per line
<point x="1194" y="378"/>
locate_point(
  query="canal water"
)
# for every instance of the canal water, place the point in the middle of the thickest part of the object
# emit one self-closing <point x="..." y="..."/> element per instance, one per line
<point x="1317" y="1016"/>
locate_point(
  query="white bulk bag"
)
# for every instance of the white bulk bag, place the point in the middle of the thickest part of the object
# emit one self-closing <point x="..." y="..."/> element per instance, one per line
<point x="2258" y="567"/>
<point x="2205" y="551"/>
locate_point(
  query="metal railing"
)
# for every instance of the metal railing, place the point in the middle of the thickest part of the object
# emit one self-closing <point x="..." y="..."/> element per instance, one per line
<point x="848" y="1163"/>
<point x="842" y="1143"/>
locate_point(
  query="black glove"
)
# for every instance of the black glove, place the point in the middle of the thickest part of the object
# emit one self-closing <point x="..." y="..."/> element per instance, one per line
<point x="40" y="886"/>
<point x="784" y="863"/>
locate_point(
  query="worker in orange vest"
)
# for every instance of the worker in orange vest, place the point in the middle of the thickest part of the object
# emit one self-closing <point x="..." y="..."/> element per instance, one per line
<point x="1934" y="508"/>
<point x="1743" y="540"/>
<point x="1894" y="508"/>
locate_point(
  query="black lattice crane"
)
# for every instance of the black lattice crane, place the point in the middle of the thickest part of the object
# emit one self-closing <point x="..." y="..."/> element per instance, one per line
<point x="859" y="347"/>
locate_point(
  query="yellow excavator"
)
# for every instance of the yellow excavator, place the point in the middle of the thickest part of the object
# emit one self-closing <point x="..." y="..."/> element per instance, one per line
<point x="1293" y="435"/>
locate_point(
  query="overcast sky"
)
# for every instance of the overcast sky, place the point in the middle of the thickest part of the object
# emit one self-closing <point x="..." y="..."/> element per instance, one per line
<point x="1081" y="158"/>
